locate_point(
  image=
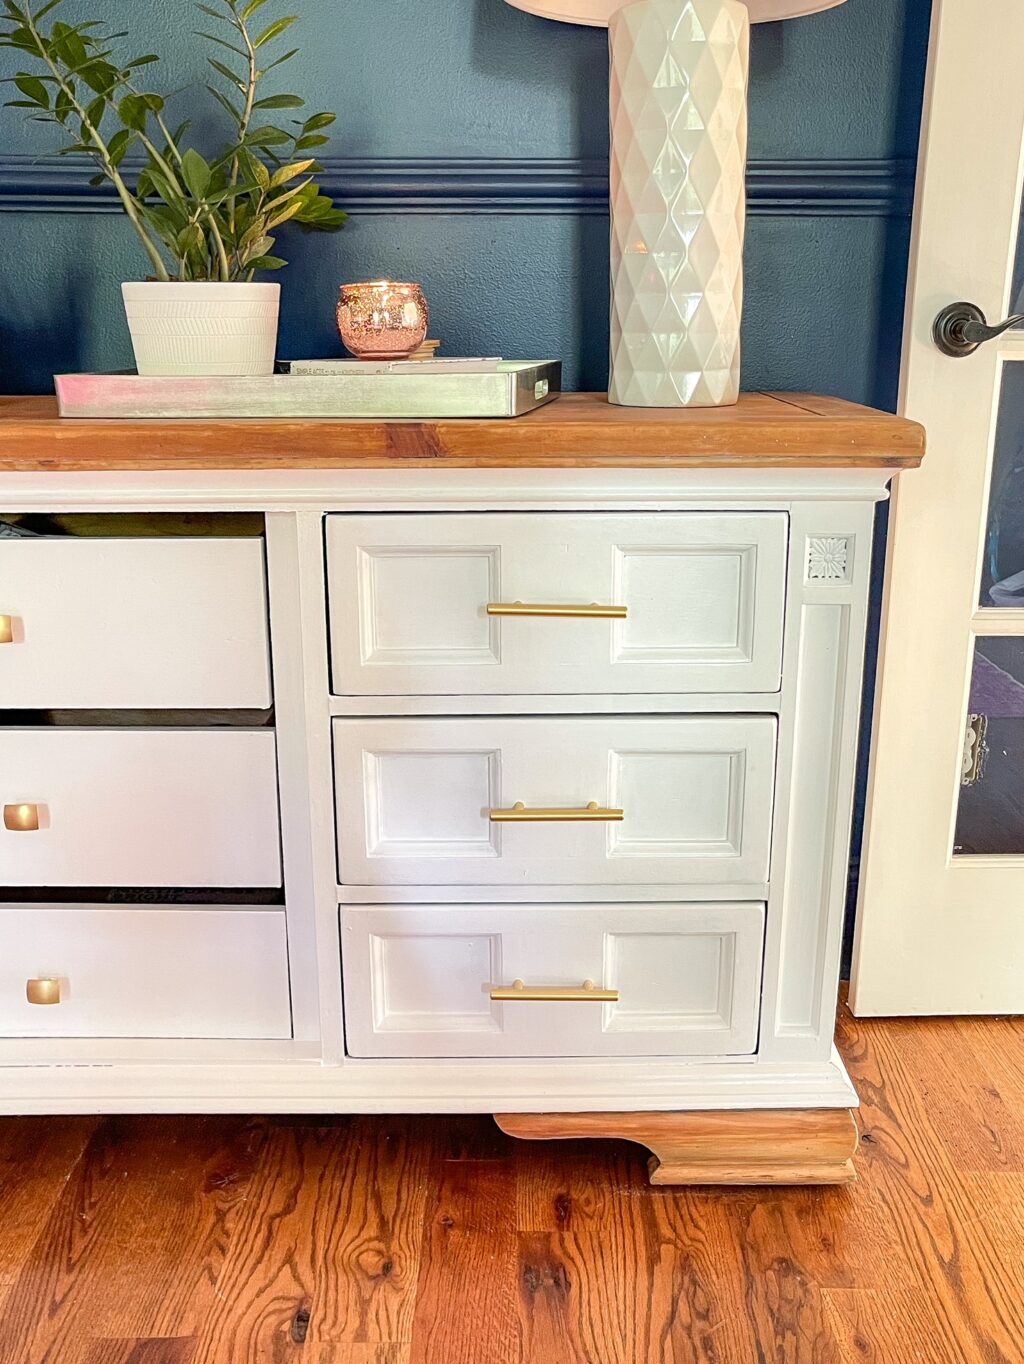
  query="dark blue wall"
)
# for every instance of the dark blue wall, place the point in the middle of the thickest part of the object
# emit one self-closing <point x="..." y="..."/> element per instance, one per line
<point x="511" y="246"/>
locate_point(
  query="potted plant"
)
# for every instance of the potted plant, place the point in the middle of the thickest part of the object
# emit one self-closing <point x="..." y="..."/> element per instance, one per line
<point x="206" y="225"/>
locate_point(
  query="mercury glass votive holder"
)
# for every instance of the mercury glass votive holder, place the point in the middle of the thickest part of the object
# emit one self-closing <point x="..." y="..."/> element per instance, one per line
<point x="382" y="320"/>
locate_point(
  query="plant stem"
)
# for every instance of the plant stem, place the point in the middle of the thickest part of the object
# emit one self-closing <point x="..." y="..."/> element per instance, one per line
<point x="250" y="99"/>
<point x="109" y="169"/>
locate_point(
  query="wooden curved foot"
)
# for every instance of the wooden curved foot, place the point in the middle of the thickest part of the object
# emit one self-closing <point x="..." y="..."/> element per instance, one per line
<point x="792" y="1146"/>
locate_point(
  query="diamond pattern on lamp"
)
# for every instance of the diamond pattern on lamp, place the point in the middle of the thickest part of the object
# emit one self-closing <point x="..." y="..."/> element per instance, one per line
<point x="678" y="156"/>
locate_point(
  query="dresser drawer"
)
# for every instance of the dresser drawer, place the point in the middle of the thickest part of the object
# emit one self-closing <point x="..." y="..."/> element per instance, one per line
<point x="703" y="595"/>
<point x="419" y="979"/>
<point x="139" y="807"/>
<point x="141" y="972"/>
<point x="112" y="624"/>
<point x="432" y="802"/>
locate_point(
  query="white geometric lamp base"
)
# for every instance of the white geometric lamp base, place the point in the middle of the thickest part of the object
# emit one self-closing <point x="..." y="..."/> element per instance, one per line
<point x="678" y="162"/>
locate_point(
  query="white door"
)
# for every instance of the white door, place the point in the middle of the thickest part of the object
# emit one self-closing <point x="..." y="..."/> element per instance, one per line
<point x="940" y="925"/>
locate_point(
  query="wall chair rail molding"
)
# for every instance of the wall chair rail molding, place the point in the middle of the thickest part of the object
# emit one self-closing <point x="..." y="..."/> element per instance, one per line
<point x="878" y="188"/>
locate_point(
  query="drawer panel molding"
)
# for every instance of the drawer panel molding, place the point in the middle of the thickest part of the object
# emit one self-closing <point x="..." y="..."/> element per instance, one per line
<point x="507" y="603"/>
<point x="683" y="800"/>
<point x="552" y="980"/>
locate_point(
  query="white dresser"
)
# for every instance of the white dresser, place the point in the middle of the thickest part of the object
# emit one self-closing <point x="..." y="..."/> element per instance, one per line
<point x="478" y="766"/>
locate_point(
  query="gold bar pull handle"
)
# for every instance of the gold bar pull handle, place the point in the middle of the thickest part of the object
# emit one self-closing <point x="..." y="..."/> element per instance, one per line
<point x="44" y="990"/>
<point x="6" y="629"/>
<point x="588" y="992"/>
<point x="21" y="818"/>
<point x="539" y="814"/>
<point x="593" y="611"/>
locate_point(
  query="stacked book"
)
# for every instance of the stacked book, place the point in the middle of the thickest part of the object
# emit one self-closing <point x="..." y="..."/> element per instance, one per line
<point x="416" y="388"/>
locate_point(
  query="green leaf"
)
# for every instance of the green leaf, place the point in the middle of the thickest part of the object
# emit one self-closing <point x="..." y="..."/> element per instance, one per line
<point x="99" y="76"/>
<point x="96" y="180"/>
<point x="190" y="238"/>
<point x="225" y="103"/>
<point x="68" y="46"/>
<point x="227" y="73"/>
<point x="289" y="172"/>
<point x="214" y="13"/>
<point x="318" y="121"/>
<point x="280" y="102"/>
<point x="255" y="169"/>
<point x="267" y="137"/>
<point x="259" y="247"/>
<point x="163" y="186"/>
<point x="266" y="263"/>
<point x="154" y="103"/>
<point x="222" y="42"/>
<point x="95" y="110"/>
<point x="325" y="222"/>
<point x="33" y="89"/>
<point x="288" y="211"/>
<point x="133" y="110"/>
<point x="238" y="191"/>
<point x="142" y="61"/>
<point x="196" y="173"/>
<point x="310" y="140"/>
<point x="279" y="61"/>
<point x="21" y="38"/>
<point x="272" y="30"/>
<point x="119" y="144"/>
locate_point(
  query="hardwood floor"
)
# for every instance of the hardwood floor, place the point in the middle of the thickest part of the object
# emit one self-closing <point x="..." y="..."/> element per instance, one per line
<point x="222" y="1240"/>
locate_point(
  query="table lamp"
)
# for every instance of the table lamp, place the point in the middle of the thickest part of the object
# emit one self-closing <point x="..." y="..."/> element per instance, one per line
<point x="678" y="117"/>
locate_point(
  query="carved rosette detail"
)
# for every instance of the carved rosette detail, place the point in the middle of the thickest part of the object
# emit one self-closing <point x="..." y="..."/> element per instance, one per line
<point x="829" y="558"/>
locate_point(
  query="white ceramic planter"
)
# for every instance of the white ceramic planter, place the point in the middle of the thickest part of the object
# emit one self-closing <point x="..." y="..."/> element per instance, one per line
<point x="203" y="328"/>
<point x="678" y="160"/>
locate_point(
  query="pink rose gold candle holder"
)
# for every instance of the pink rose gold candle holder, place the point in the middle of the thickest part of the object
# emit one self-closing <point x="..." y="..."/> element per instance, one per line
<point x="382" y="320"/>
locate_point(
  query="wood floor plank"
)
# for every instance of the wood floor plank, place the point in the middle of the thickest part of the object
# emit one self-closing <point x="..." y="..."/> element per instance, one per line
<point x="465" y="1303"/>
<point x="615" y="1271"/>
<point x="371" y="1235"/>
<point x="924" y="1198"/>
<point x="327" y="1251"/>
<point x="173" y="1350"/>
<point x="840" y="1235"/>
<point x="133" y="1245"/>
<point x="784" y="1304"/>
<point x="876" y="1326"/>
<point x="38" y="1156"/>
<point x="955" y="1077"/>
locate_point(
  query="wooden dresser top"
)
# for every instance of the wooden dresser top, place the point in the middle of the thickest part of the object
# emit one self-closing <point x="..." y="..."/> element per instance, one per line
<point x="763" y="430"/>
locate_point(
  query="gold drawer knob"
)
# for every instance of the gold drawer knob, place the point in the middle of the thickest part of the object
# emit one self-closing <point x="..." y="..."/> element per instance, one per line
<point x="540" y="814"/>
<point x="593" y="611"/>
<point x="519" y="990"/>
<point x="44" y="990"/>
<point x="21" y="818"/>
<point x="6" y="629"/>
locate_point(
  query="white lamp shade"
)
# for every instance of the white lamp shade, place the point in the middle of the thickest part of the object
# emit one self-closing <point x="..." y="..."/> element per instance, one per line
<point x="598" y="12"/>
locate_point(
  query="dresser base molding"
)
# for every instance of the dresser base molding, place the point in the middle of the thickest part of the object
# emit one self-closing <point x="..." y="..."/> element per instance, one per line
<point x="795" y="1146"/>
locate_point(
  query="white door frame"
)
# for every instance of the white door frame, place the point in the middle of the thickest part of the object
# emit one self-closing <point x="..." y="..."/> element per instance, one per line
<point x="938" y="934"/>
